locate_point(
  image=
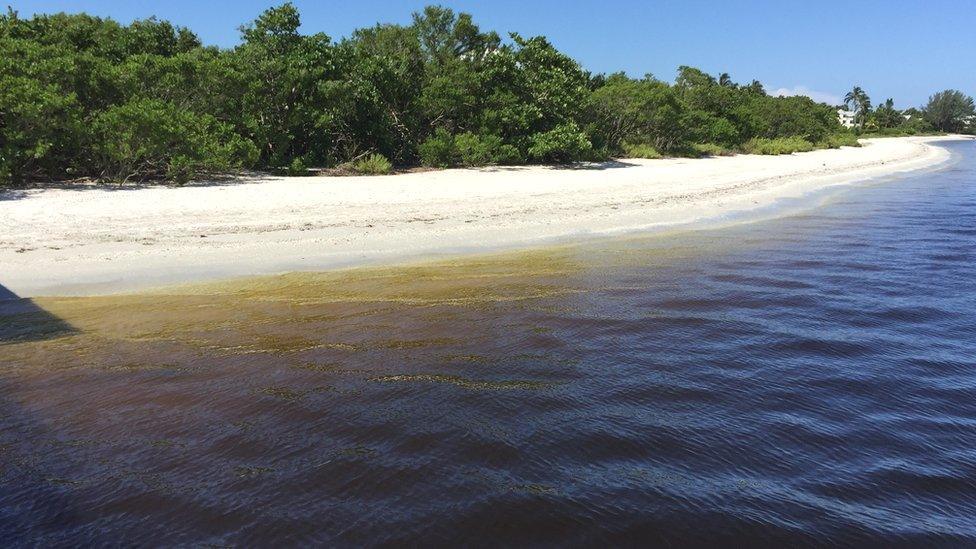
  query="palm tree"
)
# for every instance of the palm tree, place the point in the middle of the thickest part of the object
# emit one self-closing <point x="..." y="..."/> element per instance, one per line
<point x="725" y="80"/>
<point x="858" y="99"/>
<point x="852" y="96"/>
<point x="756" y="87"/>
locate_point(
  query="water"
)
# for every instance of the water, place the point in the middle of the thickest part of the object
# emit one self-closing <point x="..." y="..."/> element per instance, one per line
<point x="806" y="380"/>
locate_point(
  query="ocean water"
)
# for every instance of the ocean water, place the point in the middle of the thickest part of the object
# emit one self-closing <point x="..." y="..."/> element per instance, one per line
<point x="807" y="380"/>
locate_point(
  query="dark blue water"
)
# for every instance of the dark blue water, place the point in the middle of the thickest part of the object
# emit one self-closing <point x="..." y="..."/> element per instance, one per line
<point x="807" y="381"/>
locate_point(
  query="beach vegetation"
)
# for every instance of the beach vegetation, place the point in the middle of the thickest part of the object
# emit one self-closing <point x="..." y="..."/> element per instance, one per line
<point x="486" y="150"/>
<point x="39" y="129"/>
<point x="149" y="139"/>
<point x="641" y="150"/>
<point x="887" y="116"/>
<point x="695" y="150"/>
<point x="950" y="111"/>
<point x="84" y="97"/>
<point x="468" y="149"/>
<point x="440" y="150"/>
<point x="857" y="100"/>
<point x="712" y="149"/>
<point x="371" y="164"/>
<point x="297" y="168"/>
<point x="564" y="143"/>
<point x="838" y="140"/>
<point x="778" y="145"/>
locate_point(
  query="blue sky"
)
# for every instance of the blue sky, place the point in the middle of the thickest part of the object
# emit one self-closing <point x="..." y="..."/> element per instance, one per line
<point x="904" y="49"/>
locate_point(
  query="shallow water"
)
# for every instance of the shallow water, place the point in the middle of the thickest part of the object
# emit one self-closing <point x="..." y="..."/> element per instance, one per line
<point x="804" y="380"/>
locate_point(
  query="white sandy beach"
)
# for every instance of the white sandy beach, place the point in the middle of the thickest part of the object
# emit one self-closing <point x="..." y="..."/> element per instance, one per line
<point x="105" y="240"/>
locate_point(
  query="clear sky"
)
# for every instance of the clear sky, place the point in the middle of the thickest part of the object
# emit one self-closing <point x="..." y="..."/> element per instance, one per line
<point x="905" y="49"/>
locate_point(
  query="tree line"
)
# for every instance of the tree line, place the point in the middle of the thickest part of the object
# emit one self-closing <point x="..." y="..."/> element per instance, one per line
<point x="949" y="111"/>
<point x="86" y="97"/>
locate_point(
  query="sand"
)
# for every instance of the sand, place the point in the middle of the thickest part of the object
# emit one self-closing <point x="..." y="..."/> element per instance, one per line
<point x="98" y="239"/>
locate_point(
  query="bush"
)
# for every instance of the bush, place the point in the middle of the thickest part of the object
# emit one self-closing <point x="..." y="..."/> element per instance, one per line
<point x="796" y="116"/>
<point x="779" y="145"/>
<point x="474" y="151"/>
<point x="373" y="164"/>
<point x="838" y="140"/>
<point x="180" y="170"/>
<point x="443" y="150"/>
<point x="150" y="139"/>
<point x="641" y="150"/>
<point x="297" y="168"/>
<point x="564" y="143"/>
<point x="901" y="131"/>
<point x="719" y="130"/>
<point x="601" y="154"/>
<point x="439" y="150"/>
<point x="486" y="150"/>
<point x="711" y="149"/>
<point x="509" y="155"/>
<point x="698" y="150"/>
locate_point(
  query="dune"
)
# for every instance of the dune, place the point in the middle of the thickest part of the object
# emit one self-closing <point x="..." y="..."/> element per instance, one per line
<point x="100" y="239"/>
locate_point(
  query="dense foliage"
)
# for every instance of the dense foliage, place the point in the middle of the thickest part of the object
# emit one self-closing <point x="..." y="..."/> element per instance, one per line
<point x="85" y="97"/>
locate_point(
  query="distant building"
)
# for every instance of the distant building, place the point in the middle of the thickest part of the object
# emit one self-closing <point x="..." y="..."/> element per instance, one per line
<point x="845" y="117"/>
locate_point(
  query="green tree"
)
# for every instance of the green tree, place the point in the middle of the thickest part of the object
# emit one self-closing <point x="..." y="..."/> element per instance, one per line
<point x="294" y="96"/>
<point x="529" y="88"/>
<point x="949" y="111"/>
<point x="564" y="143"/>
<point x="385" y="71"/>
<point x="886" y="116"/>
<point x="637" y="111"/>
<point x="756" y="87"/>
<point x="454" y="50"/>
<point x="39" y="129"/>
<point x="690" y="77"/>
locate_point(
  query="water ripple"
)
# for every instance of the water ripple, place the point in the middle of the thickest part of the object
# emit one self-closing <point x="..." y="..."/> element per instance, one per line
<point x="805" y="381"/>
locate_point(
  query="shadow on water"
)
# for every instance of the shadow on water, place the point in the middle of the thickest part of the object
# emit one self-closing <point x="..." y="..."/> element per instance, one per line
<point x="22" y="320"/>
<point x="28" y="489"/>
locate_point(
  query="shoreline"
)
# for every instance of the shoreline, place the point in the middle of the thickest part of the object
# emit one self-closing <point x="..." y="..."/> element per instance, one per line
<point x="109" y="240"/>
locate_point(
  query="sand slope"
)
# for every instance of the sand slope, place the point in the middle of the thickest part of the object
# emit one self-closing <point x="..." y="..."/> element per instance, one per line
<point x="99" y="240"/>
